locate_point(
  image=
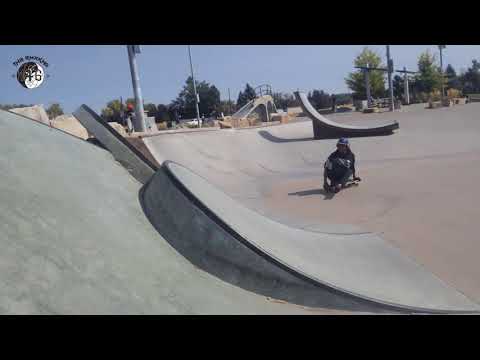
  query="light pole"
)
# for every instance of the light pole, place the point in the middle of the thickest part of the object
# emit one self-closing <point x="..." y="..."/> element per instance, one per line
<point x="197" y="99"/>
<point x="441" y="47"/>
<point x="390" y="85"/>
<point x="405" y="87"/>
<point x="139" y="124"/>
<point x="367" y="86"/>
<point x="229" y="103"/>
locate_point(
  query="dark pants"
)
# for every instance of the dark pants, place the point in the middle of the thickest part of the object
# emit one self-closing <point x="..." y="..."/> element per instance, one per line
<point x="336" y="178"/>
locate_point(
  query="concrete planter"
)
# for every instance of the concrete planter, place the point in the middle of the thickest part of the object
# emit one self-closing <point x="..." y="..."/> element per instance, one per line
<point x="434" y="104"/>
<point x="447" y="102"/>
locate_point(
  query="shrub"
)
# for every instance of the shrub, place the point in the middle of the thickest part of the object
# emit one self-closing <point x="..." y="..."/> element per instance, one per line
<point x="454" y="93"/>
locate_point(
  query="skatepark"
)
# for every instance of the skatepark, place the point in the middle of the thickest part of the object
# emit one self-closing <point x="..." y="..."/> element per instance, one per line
<point x="206" y="206"/>
<point x="235" y="221"/>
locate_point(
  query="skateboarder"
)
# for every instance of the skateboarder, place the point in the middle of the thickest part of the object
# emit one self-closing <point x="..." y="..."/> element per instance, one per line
<point x="128" y="117"/>
<point x="339" y="166"/>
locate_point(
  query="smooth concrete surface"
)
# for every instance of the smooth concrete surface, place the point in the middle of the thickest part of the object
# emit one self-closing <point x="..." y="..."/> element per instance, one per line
<point x="215" y="249"/>
<point x="418" y="190"/>
<point x="324" y="128"/>
<point x="75" y="239"/>
<point x="213" y="246"/>
<point x="361" y="265"/>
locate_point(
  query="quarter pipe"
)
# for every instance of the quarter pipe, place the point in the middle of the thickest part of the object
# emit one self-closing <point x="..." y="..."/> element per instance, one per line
<point x="324" y="128"/>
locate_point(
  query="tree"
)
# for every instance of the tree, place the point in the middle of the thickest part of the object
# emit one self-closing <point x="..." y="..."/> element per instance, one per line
<point x="173" y="112"/>
<point x="320" y="99"/>
<point x="113" y="112"/>
<point x="343" y="98"/>
<point x="14" y="106"/>
<point x="162" y="113"/>
<point x="453" y="81"/>
<point x="226" y="107"/>
<point x="430" y="78"/>
<point x="245" y="96"/>
<point x="209" y="99"/>
<point x="398" y="86"/>
<point x="284" y="101"/>
<point x="356" y="80"/>
<point x="151" y="109"/>
<point x="470" y="80"/>
<point x="54" y="110"/>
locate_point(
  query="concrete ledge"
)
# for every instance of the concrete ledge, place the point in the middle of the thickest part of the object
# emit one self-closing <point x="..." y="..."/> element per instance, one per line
<point x="132" y="159"/>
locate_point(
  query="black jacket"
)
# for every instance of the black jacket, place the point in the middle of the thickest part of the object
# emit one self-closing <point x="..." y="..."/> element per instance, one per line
<point x="347" y="156"/>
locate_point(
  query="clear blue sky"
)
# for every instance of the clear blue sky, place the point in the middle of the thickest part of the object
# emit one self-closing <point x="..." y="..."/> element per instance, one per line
<point x="95" y="74"/>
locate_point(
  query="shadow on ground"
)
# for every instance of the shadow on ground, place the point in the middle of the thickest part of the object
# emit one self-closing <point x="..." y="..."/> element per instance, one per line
<point x="326" y="195"/>
<point x="267" y="136"/>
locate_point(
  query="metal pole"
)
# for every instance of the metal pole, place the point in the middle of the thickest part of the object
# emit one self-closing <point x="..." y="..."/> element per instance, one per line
<point x="405" y="87"/>
<point x="139" y="123"/>
<point x="390" y="85"/>
<point x="197" y="99"/>
<point x="367" y="87"/>
<point x="441" y="69"/>
<point x="229" y="103"/>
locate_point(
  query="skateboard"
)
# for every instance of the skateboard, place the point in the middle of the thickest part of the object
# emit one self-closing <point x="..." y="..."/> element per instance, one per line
<point x="349" y="183"/>
<point x="352" y="182"/>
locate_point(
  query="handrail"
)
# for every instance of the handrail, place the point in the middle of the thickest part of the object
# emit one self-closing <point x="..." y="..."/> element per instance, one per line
<point x="264" y="89"/>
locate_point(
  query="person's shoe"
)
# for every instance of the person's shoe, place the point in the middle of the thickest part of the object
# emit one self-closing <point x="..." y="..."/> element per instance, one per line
<point x="337" y="188"/>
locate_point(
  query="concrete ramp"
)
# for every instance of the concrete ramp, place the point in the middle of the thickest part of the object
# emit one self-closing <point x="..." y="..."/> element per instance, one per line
<point x="75" y="240"/>
<point x="324" y="128"/>
<point x="216" y="231"/>
<point x="35" y="112"/>
<point x="356" y="271"/>
<point x="264" y="104"/>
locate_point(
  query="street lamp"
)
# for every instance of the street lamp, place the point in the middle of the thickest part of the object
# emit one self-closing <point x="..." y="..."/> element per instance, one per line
<point x="139" y="124"/>
<point x="441" y="47"/>
<point x="197" y="99"/>
<point x="390" y="84"/>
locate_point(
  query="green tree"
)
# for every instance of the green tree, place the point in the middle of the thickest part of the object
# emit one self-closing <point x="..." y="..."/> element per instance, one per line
<point x="398" y="86"/>
<point x="162" y="113"/>
<point x="470" y="80"/>
<point x="453" y="81"/>
<point x="14" y="106"/>
<point x="151" y="109"/>
<point x="245" y="96"/>
<point x="226" y="107"/>
<point x="343" y="98"/>
<point x="54" y="110"/>
<point x="356" y="80"/>
<point x="429" y="77"/>
<point x="209" y="99"/>
<point x="113" y="112"/>
<point x="320" y="99"/>
<point x="284" y="101"/>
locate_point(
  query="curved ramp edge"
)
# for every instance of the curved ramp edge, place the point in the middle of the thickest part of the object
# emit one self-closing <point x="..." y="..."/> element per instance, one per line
<point x="133" y="160"/>
<point x="324" y="128"/>
<point x="364" y="267"/>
